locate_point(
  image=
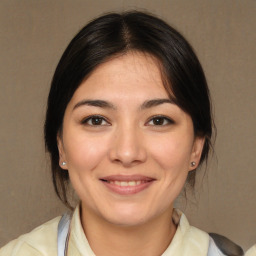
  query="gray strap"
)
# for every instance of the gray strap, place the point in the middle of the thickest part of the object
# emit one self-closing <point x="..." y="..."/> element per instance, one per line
<point x="226" y="246"/>
<point x="63" y="234"/>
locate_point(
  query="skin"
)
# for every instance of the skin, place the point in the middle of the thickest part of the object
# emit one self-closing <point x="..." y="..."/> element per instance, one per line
<point x="129" y="138"/>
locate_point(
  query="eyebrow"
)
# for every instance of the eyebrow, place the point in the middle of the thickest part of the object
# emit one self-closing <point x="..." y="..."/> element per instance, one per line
<point x="94" y="103"/>
<point x="157" y="102"/>
<point x="105" y="104"/>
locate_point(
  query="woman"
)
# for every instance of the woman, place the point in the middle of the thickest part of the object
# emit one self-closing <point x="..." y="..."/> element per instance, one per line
<point x="128" y="122"/>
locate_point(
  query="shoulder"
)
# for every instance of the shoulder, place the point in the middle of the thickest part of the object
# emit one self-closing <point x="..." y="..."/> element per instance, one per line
<point x="251" y="251"/>
<point x="218" y="245"/>
<point x="202" y="242"/>
<point x="40" y="241"/>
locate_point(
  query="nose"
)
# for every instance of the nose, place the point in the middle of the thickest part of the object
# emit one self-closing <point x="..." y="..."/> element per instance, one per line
<point x="128" y="147"/>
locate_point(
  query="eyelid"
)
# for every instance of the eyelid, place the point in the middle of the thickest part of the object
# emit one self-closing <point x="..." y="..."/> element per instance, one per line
<point x="86" y="119"/>
<point x="168" y="119"/>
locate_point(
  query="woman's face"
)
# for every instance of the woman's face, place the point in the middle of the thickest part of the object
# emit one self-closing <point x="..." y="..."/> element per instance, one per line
<point x="127" y="146"/>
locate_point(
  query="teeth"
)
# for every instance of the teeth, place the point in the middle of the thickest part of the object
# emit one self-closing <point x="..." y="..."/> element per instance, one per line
<point x="124" y="184"/>
<point x="130" y="183"/>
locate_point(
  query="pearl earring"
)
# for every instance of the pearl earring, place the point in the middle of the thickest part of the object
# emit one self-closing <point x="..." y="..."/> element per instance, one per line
<point x="63" y="163"/>
<point x="193" y="164"/>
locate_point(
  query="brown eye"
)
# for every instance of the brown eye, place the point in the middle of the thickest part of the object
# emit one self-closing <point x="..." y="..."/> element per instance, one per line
<point x="160" y="121"/>
<point x="95" y="121"/>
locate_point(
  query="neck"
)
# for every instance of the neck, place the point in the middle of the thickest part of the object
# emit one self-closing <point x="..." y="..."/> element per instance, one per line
<point x="151" y="238"/>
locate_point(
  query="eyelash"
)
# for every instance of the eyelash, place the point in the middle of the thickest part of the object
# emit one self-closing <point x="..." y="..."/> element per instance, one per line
<point x="164" y="121"/>
<point x="90" y="119"/>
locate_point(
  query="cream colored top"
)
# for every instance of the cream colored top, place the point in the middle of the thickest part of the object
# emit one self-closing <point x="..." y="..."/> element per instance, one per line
<point x="187" y="241"/>
<point x="251" y="251"/>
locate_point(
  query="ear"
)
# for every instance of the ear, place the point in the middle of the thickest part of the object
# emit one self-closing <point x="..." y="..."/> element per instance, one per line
<point x="196" y="152"/>
<point x="62" y="155"/>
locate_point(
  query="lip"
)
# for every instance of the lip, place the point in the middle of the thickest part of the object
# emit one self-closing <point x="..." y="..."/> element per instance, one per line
<point x="144" y="183"/>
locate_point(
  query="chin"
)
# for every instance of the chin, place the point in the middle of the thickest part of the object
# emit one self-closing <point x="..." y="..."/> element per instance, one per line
<point x="127" y="217"/>
<point x="127" y="221"/>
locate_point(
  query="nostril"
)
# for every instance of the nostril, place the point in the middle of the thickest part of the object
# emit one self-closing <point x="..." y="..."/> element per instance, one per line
<point x="127" y="150"/>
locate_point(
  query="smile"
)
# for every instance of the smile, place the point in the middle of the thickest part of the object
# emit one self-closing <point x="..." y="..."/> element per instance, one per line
<point x="127" y="185"/>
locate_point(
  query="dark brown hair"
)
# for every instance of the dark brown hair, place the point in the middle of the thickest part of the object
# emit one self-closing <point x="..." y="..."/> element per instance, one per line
<point x="114" y="34"/>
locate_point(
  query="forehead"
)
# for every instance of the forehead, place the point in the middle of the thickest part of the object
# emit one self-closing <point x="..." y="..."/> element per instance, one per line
<point x="129" y="76"/>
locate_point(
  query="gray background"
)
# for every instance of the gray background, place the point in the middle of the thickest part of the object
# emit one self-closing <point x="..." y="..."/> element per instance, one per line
<point x="34" y="34"/>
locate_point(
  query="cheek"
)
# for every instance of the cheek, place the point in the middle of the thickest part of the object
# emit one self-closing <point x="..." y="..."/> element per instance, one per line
<point x="84" y="153"/>
<point x="172" y="157"/>
<point x="172" y="153"/>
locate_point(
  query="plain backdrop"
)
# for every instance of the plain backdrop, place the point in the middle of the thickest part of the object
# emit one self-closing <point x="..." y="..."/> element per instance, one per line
<point x="34" y="33"/>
